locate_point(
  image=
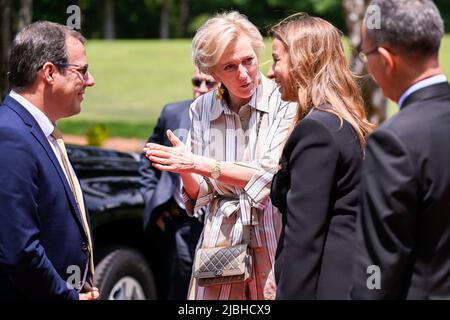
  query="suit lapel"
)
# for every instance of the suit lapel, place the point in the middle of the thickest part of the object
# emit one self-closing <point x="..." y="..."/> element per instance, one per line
<point x="184" y="125"/>
<point x="185" y="122"/>
<point x="37" y="133"/>
<point x="431" y="92"/>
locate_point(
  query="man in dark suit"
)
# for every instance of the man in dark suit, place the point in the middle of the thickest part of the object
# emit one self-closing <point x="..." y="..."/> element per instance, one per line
<point x="45" y="239"/>
<point x="164" y="215"/>
<point x="403" y="230"/>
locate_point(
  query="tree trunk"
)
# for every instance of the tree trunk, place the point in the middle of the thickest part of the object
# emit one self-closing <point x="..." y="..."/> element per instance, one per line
<point x="5" y="40"/>
<point x="25" y="14"/>
<point x="375" y="102"/>
<point x="164" y="27"/>
<point x="184" y="17"/>
<point x="109" y="23"/>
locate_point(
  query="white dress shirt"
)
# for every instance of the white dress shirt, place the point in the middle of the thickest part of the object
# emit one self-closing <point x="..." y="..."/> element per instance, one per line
<point x="440" y="78"/>
<point x="47" y="128"/>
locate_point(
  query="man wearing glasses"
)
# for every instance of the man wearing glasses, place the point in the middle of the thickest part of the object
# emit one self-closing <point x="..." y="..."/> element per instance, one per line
<point x="202" y="83"/>
<point x="165" y="219"/>
<point x="45" y="238"/>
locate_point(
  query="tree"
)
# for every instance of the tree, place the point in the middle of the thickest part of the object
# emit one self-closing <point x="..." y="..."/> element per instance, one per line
<point x="183" y="19"/>
<point x="5" y="39"/>
<point x="109" y="23"/>
<point x="13" y="19"/>
<point x="164" y="26"/>
<point x="375" y="102"/>
<point x="25" y="14"/>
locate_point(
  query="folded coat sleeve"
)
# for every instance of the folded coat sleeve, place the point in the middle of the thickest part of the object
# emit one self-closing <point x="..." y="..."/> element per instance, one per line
<point x="258" y="188"/>
<point x="195" y="142"/>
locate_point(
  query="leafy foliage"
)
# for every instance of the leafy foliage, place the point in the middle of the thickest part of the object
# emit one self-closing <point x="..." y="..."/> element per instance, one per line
<point x="141" y="18"/>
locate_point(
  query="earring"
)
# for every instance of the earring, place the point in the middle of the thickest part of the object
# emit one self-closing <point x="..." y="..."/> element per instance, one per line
<point x="220" y="91"/>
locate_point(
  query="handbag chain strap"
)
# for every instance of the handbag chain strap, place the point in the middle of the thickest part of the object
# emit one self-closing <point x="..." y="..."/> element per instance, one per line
<point x="251" y="213"/>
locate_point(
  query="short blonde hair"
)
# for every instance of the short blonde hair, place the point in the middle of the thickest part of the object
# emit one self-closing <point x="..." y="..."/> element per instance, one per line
<point x="217" y="33"/>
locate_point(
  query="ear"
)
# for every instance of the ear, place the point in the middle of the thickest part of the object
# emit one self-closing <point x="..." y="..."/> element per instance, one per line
<point x="48" y="72"/>
<point x="387" y="59"/>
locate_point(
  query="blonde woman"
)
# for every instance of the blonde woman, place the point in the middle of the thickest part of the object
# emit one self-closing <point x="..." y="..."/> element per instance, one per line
<point x="237" y="134"/>
<point x="316" y="187"/>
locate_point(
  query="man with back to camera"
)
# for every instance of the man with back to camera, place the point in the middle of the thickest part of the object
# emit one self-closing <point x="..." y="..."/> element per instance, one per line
<point x="45" y="237"/>
<point x="164" y="207"/>
<point x="403" y="230"/>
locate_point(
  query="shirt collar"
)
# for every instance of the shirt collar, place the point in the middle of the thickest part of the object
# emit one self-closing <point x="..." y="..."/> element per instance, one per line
<point x="420" y="85"/>
<point x="258" y="100"/>
<point x="43" y="121"/>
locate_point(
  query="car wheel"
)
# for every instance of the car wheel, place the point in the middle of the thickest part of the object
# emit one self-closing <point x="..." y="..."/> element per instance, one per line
<point x="123" y="274"/>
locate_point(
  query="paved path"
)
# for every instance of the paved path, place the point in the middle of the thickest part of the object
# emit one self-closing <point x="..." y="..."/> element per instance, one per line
<point x="122" y="144"/>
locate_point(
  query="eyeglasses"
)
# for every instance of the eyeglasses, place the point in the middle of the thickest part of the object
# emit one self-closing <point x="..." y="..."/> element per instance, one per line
<point x="363" y="55"/>
<point x="197" y="82"/>
<point x="83" y="70"/>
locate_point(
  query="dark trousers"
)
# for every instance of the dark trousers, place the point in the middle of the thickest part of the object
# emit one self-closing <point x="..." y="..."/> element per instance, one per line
<point x="186" y="233"/>
<point x="175" y="249"/>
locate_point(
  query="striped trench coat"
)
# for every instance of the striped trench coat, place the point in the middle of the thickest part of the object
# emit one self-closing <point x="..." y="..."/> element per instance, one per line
<point x="253" y="137"/>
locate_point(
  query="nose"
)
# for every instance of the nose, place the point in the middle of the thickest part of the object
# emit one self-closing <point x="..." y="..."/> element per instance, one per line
<point x="271" y="73"/>
<point x="242" y="72"/>
<point x="89" y="81"/>
<point x="203" y="88"/>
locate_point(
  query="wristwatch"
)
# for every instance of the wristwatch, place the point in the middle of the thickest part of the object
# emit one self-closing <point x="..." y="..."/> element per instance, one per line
<point x="215" y="172"/>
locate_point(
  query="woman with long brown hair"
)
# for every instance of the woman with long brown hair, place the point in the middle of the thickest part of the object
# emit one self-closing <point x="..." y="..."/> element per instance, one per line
<point x="316" y="187"/>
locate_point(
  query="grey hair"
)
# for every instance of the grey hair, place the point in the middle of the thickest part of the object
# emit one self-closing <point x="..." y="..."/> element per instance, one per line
<point x="36" y="44"/>
<point x="411" y="26"/>
<point x="217" y="33"/>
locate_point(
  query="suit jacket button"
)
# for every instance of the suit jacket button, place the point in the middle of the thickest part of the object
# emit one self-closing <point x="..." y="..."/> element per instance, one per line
<point x="84" y="247"/>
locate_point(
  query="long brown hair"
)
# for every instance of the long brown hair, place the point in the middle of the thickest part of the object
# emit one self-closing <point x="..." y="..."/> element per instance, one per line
<point x="319" y="72"/>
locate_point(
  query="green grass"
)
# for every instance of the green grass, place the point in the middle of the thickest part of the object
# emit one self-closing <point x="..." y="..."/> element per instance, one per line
<point x="136" y="78"/>
<point x="139" y="130"/>
<point x="444" y="56"/>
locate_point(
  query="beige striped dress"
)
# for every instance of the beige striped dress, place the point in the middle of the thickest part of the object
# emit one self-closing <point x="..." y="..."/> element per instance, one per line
<point x="219" y="133"/>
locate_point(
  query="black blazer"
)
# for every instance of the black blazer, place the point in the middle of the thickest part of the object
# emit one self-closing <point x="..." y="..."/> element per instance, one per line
<point x="316" y="192"/>
<point x="158" y="187"/>
<point x="404" y="226"/>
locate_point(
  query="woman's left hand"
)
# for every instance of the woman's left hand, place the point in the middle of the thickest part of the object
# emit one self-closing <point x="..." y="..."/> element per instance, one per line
<point x="178" y="159"/>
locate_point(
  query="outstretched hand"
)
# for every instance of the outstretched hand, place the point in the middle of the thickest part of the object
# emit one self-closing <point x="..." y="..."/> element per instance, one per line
<point x="177" y="158"/>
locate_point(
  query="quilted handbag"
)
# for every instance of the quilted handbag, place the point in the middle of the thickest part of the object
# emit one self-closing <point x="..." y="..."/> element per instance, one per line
<point x="223" y="265"/>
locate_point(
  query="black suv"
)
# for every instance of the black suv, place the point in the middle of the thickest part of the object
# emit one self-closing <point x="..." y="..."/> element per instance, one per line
<point x="126" y="257"/>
